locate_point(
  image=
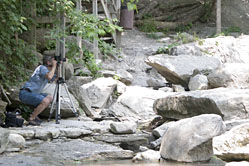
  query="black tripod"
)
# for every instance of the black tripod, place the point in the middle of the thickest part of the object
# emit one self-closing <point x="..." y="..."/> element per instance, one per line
<point x="57" y="96"/>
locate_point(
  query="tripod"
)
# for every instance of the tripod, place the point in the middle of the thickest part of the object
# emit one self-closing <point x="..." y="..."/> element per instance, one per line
<point x="57" y="97"/>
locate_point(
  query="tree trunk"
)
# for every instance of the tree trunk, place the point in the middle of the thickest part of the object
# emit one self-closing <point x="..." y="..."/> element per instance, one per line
<point x="172" y="13"/>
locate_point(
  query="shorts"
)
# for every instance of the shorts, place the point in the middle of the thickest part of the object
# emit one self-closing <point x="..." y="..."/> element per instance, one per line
<point x="30" y="98"/>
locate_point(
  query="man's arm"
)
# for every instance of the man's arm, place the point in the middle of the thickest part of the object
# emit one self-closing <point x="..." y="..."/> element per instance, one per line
<point x="50" y="74"/>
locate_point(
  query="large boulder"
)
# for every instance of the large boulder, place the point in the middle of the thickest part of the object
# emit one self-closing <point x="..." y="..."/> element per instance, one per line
<point x="99" y="91"/>
<point x="180" y="107"/>
<point x="230" y="103"/>
<point x="233" y="75"/>
<point x="233" y="145"/>
<point x="136" y="103"/>
<point x="179" y="69"/>
<point x="225" y="48"/>
<point x="66" y="105"/>
<point x="185" y="141"/>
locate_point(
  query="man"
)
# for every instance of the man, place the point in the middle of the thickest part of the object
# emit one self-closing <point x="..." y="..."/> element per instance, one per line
<point x="31" y="94"/>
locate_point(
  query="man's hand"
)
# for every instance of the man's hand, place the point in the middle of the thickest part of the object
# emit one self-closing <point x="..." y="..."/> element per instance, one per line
<point x="54" y="62"/>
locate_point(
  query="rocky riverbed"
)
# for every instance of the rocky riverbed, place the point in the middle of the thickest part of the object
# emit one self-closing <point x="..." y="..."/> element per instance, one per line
<point x="184" y="105"/>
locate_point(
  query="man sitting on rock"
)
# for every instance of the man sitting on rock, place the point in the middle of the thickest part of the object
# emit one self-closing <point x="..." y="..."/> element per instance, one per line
<point x="31" y="94"/>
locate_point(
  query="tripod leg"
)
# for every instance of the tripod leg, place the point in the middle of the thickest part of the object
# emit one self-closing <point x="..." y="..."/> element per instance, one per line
<point x="71" y="101"/>
<point x="58" y="106"/>
<point x="52" y="105"/>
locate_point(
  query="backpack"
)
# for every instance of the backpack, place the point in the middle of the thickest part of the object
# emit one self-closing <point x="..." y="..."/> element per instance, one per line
<point x="13" y="119"/>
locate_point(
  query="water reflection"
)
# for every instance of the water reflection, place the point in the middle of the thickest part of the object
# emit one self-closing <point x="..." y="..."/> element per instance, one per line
<point x="130" y="163"/>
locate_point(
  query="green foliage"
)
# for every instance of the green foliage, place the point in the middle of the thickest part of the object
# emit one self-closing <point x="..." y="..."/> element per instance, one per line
<point x="183" y="28"/>
<point x="131" y="4"/>
<point x="15" y="55"/>
<point x="148" y="26"/>
<point x="26" y="111"/>
<point x="166" y="49"/>
<point x="232" y="29"/>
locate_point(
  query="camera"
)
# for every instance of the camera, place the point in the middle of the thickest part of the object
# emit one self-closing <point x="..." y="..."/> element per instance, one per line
<point x="59" y="59"/>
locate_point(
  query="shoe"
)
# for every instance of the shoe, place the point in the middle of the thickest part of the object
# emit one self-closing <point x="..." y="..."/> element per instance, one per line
<point x="38" y="119"/>
<point x="34" y="123"/>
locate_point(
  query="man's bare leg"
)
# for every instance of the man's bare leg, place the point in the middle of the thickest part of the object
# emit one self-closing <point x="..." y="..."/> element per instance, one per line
<point x="41" y="107"/>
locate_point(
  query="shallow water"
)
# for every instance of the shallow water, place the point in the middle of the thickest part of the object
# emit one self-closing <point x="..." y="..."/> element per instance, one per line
<point x="130" y="163"/>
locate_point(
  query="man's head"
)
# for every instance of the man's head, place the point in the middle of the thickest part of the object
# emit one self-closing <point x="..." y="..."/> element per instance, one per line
<point x="47" y="60"/>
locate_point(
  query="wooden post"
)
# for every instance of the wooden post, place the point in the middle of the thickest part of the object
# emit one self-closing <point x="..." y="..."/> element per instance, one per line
<point x="33" y="26"/>
<point x="218" y="17"/>
<point x="118" y="34"/>
<point x="95" y="42"/>
<point x="62" y="41"/>
<point x="79" y="38"/>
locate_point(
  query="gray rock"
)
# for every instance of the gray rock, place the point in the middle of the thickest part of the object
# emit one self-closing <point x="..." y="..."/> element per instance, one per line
<point x="149" y="155"/>
<point x="16" y="141"/>
<point x="230" y="103"/>
<point x="225" y="48"/>
<point x="136" y="103"/>
<point x="121" y="75"/>
<point x="2" y="110"/>
<point x="70" y="152"/>
<point x="160" y="131"/>
<point x="179" y="69"/>
<point x="180" y="107"/>
<point x="81" y="95"/>
<point x="241" y="163"/>
<point x="66" y="106"/>
<point x="185" y="141"/>
<point x="69" y="70"/>
<point x="123" y="127"/>
<point x="4" y="139"/>
<point x="198" y="82"/>
<point x="231" y="75"/>
<point x="99" y="91"/>
<point x="233" y="145"/>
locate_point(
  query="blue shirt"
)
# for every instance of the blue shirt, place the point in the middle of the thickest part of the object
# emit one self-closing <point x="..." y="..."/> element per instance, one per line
<point x="38" y="80"/>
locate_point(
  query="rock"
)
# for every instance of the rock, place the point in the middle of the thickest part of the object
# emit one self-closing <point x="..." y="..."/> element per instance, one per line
<point x="81" y="95"/>
<point x="79" y="80"/>
<point x="123" y="127"/>
<point x="179" y="69"/>
<point x="198" y="82"/>
<point x="66" y="105"/>
<point x="26" y="133"/>
<point x="127" y="141"/>
<point x="178" y="88"/>
<point x="99" y="91"/>
<point x="233" y="145"/>
<point x="166" y="89"/>
<point x="67" y="152"/>
<point x="69" y="70"/>
<point x="136" y="103"/>
<point x="230" y="103"/>
<point x="3" y="106"/>
<point x="16" y="141"/>
<point x="149" y="155"/>
<point x="180" y="107"/>
<point x="241" y="163"/>
<point x="121" y="75"/>
<point x="231" y="75"/>
<point x="185" y="142"/>
<point x="4" y="139"/>
<point x="225" y="48"/>
<point x="161" y="130"/>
